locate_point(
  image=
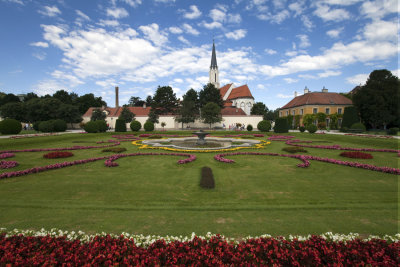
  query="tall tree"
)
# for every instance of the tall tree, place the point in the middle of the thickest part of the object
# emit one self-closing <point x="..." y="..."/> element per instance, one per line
<point x="153" y="116"/>
<point x="42" y="109"/>
<point x="9" y="98"/>
<point x="98" y="115"/>
<point x="164" y="100"/>
<point x="13" y="110"/>
<point x="126" y="115"/>
<point x="63" y="96"/>
<point x="192" y="95"/>
<point x="271" y="115"/>
<point x="210" y="93"/>
<point x="378" y="100"/>
<point x="69" y="113"/>
<point x="86" y="101"/>
<point x="149" y="100"/>
<point x="187" y="112"/>
<point x="135" y="101"/>
<point x="259" y="108"/>
<point x="211" y="113"/>
<point x="30" y="96"/>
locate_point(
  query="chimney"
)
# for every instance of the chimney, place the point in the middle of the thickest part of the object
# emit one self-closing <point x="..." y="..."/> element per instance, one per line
<point x="324" y="90"/>
<point x="295" y="93"/>
<point x="306" y="91"/>
<point x="116" y="97"/>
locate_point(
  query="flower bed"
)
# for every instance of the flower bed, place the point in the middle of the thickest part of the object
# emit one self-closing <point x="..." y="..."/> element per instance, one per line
<point x="32" y="135"/>
<point x="58" y="154"/>
<point x="356" y="155"/>
<point x="4" y="164"/>
<point x="76" y="249"/>
<point x="306" y="163"/>
<point x="110" y="161"/>
<point x="280" y="137"/>
<point x="370" y="135"/>
<point x="6" y="155"/>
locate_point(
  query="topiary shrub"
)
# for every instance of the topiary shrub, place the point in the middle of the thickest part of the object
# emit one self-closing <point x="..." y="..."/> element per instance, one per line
<point x="358" y="126"/>
<point x="114" y="149"/>
<point x="120" y="125"/>
<point x="148" y="126"/>
<point x="281" y="125"/>
<point x="311" y="128"/>
<point x="294" y="149"/>
<point x="35" y="125"/>
<point x="393" y="131"/>
<point x="101" y="126"/>
<point x="264" y="126"/>
<point x="207" y="178"/>
<point x="10" y="126"/>
<point x="350" y="116"/>
<point x="302" y="129"/>
<point x="135" y="126"/>
<point x="46" y="126"/>
<point x="59" y="125"/>
<point x="249" y="127"/>
<point x="91" y="127"/>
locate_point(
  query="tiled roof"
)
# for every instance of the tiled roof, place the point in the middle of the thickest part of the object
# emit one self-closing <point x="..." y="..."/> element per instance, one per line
<point x="228" y="103"/>
<point x="318" y="98"/>
<point x="239" y="92"/>
<point x="232" y="111"/>
<point x="224" y="89"/>
<point x="115" y="112"/>
<point x="89" y="112"/>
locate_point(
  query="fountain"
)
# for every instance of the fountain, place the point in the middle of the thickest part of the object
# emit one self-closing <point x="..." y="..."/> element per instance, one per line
<point x="201" y="135"/>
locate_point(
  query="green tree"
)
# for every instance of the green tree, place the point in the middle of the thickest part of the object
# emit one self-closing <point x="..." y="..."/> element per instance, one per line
<point x="192" y="95"/>
<point x="259" y="108"/>
<point x="378" y="100"/>
<point x="42" y="109"/>
<point x="211" y="113"/>
<point x="210" y="93"/>
<point x="187" y="112"/>
<point x="350" y="116"/>
<point x="126" y="115"/>
<point x="333" y="121"/>
<point x="13" y="110"/>
<point x="271" y="115"/>
<point x="321" y="117"/>
<point x="9" y="98"/>
<point x="69" y="113"/>
<point x="30" y="96"/>
<point x="164" y="100"/>
<point x="308" y="119"/>
<point x="86" y="101"/>
<point x="64" y="97"/>
<point x="149" y="100"/>
<point x="135" y="101"/>
<point x="153" y="116"/>
<point x="98" y="115"/>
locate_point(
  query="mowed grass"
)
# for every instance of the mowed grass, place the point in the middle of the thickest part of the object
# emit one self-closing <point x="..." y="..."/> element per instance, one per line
<point x="154" y="195"/>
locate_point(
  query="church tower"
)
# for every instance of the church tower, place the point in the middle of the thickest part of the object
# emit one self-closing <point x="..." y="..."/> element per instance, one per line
<point x="214" y="74"/>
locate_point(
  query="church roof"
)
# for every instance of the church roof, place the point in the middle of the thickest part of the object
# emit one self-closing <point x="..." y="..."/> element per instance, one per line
<point x="213" y="58"/>
<point x="224" y="89"/>
<point x="240" y="92"/>
<point x="318" y="98"/>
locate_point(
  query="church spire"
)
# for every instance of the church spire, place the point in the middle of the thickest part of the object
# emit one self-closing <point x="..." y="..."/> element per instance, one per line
<point x="214" y="73"/>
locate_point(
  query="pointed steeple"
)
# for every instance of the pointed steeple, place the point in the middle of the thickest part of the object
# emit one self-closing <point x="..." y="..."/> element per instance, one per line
<point x="213" y="58"/>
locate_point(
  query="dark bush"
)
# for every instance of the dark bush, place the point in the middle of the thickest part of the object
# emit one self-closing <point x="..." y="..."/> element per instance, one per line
<point x="10" y="126"/>
<point x="311" y="128"/>
<point x="249" y="127"/>
<point x="148" y="126"/>
<point x="281" y="125"/>
<point x="60" y="125"/>
<point x="393" y="131"/>
<point x="264" y="126"/>
<point x="114" y="149"/>
<point x="350" y="116"/>
<point x="358" y="126"/>
<point x="101" y="126"/>
<point x="294" y="149"/>
<point x="302" y="129"/>
<point x="91" y="127"/>
<point x="120" y="125"/>
<point x="35" y="125"/>
<point x="46" y="126"/>
<point x="135" y="126"/>
<point x="207" y="178"/>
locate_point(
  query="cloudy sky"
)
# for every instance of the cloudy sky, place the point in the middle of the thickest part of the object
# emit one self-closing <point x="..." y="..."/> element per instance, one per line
<point x="277" y="47"/>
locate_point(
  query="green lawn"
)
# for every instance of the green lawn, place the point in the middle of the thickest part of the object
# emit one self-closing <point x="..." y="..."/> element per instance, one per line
<point x="154" y="195"/>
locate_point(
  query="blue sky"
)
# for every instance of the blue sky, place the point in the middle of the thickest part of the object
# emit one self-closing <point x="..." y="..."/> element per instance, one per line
<point x="277" y="47"/>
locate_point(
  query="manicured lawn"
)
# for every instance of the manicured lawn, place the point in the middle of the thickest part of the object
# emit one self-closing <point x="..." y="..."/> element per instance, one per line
<point x="155" y="195"/>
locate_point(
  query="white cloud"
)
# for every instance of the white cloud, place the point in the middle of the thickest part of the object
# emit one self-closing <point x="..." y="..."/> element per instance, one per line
<point x="357" y="79"/>
<point x="279" y="17"/>
<point x="329" y="73"/>
<point x="335" y="32"/>
<point x="284" y="96"/>
<point x="82" y="15"/>
<point x="236" y="35"/>
<point x="50" y="11"/>
<point x="151" y="33"/>
<point x="20" y="2"/>
<point x="165" y="1"/>
<point x="234" y="18"/>
<point x="328" y="14"/>
<point x="304" y="42"/>
<point x="109" y="23"/>
<point x="183" y="40"/>
<point x="211" y="25"/>
<point x="190" y="29"/>
<point x="40" y="55"/>
<point x="107" y="83"/>
<point x="194" y="13"/>
<point x="341" y="2"/>
<point x="178" y="80"/>
<point x="379" y="8"/>
<point x="67" y="78"/>
<point x="307" y="22"/>
<point x="217" y="15"/>
<point x="381" y="30"/>
<point x="297" y="7"/>
<point x="290" y="80"/>
<point x="270" y="51"/>
<point x="48" y="87"/>
<point x="117" y="13"/>
<point x="133" y="3"/>
<point x="175" y="30"/>
<point x="40" y="44"/>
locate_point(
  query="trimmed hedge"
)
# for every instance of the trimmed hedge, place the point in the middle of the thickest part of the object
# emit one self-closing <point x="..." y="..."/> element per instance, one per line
<point x="135" y="126"/>
<point x="393" y="131"/>
<point x="35" y="125"/>
<point x="207" y="178"/>
<point x="91" y="127"/>
<point x="60" y="125"/>
<point x="249" y="127"/>
<point x="264" y="126"/>
<point x="120" y="125"/>
<point x="311" y="128"/>
<point x="101" y="126"/>
<point x="281" y="125"/>
<point x="46" y="126"/>
<point x="358" y="126"/>
<point x="10" y="126"/>
<point x="148" y="126"/>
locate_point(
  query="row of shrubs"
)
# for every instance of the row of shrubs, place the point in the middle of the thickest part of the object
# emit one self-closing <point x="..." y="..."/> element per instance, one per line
<point x="120" y="126"/>
<point x="11" y="126"/>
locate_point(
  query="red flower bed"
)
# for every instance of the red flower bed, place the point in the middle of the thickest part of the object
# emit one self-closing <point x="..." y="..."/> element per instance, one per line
<point x="105" y="251"/>
<point x="58" y="154"/>
<point x="356" y="155"/>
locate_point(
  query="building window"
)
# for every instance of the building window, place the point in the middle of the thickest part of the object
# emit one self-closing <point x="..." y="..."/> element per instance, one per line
<point x="315" y="110"/>
<point x="301" y="111"/>
<point x="293" y="112"/>
<point x="280" y="114"/>
<point x="287" y="113"/>
<point x="339" y="111"/>
<point x="327" y="111"/>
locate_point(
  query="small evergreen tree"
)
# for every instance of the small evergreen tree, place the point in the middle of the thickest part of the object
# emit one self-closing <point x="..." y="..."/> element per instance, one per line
<point x="281" y="125"/>
<point x="350" y="116"/>
<point x="126" y="115"/>
<point x="120" y="125"/>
